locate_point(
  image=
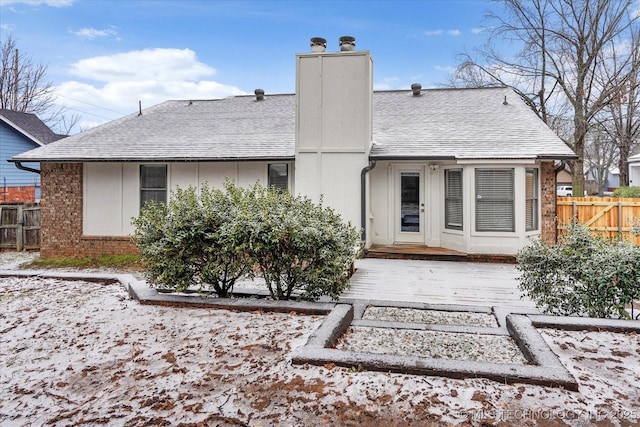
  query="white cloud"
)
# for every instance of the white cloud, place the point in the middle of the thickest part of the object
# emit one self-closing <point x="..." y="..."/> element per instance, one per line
<point x="445" y="68"/>
<point x="452" y="32"/>
<point x="142" y="65"/>
<point x="52" y="3"/>
<point x="387" y="83"/>
<point x="109" y="87"/>
<point x="92" y="33"/>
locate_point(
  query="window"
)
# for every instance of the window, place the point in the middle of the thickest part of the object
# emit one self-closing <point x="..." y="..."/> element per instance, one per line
<point x="494" y="200"/>
<point x="153" y="183"/>
<point x="453" y="198"/>
<point x="279" y="176"/>
<point x="531" y="199"/>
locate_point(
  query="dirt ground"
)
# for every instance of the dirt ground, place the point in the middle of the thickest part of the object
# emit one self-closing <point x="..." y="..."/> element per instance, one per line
<point x="77" y="353"/>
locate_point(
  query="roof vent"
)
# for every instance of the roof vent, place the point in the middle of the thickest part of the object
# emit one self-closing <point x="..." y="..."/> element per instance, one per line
<point x="318" y="44"/>
<point x="347" y="43"/>
<point x="259" y="94"/>
<point x="416" y="88"/>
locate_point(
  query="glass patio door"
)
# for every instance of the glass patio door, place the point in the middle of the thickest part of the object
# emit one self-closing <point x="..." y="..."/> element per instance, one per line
<point x="409" y="206"/>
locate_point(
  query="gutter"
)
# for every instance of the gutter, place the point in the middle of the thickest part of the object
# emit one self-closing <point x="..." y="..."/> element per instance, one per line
<point x="363" y="198"/>
<point x="20" y="166"/>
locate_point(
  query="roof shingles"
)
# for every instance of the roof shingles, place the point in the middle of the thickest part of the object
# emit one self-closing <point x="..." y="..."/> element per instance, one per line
<point x="454" y="123"/>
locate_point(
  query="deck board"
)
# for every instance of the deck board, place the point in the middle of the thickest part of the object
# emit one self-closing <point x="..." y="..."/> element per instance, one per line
<point x="437" y="282"/>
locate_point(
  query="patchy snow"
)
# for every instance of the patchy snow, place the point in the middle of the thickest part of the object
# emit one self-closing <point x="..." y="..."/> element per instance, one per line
<point x="410" y="315"/>
<point x="77" y="353"/>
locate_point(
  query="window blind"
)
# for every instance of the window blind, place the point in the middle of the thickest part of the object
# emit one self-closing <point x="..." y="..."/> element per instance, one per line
<point x="494" y="199"/>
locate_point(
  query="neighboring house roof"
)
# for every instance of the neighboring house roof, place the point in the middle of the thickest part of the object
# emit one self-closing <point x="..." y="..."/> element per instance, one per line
<point x="30" y="126"/>
<point x="441" y="123"/>
<point x="634" y="159"/>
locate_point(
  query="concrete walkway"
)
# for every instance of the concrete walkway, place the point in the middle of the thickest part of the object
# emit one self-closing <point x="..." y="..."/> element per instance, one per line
<point x="437" y="282"/>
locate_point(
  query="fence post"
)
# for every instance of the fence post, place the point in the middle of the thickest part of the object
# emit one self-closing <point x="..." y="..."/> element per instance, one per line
<point x="20" y="229"/>
<point x="619" y="221"/>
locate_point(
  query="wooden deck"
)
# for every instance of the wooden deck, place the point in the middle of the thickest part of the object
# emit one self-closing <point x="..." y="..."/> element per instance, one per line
<point x="421" y="252"/>
<point x="437" y="282"/>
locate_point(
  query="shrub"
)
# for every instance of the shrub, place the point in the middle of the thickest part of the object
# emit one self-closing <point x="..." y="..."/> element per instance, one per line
<point x="583" y="274"/>
<point x="212" y="239"/>
<point x="187" y="243"/>
<point x="627" y="192"/>
<point x="297" y="245"/>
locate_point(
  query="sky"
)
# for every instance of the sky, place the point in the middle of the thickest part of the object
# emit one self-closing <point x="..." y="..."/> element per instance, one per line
<point x="104" y="56"/>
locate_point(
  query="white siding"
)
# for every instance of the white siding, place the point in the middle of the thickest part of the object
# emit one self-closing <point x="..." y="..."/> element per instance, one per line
<point x="112" y="190"/>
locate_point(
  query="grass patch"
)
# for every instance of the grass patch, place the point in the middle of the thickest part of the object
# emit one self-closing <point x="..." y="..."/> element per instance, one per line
<point x="124" y="262"/>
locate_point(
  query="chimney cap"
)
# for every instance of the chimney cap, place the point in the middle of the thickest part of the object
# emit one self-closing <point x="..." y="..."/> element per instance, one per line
<point x="318" y="44"/>
<point x="259" y="94"/>
<point x="416" y="88"/>
<point x="347" y="43"/>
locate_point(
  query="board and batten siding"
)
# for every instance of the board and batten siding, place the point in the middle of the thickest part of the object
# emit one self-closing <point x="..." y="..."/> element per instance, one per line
<point x="111" y="191"/>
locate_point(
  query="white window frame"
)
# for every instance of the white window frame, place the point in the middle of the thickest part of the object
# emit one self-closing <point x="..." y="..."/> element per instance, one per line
<point x="144" y="189"/>
<point x="278" y="184"/>
<point x="453" y="202"/>
<point x="532" y="199"/>
<point x="495" y="200"/>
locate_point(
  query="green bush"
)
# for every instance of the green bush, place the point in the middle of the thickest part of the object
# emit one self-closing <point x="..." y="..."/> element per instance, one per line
<point x="627" y="192"/>
<point x="583" y="275"/>
<point x="297" y="246"/>
<point x="210" y="240"/>
<point x="187" y="243"/>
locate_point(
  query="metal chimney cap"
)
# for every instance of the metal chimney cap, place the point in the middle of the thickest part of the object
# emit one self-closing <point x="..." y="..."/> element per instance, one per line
<point x="347" y="43"/>
<point x="416" y="88"/>
<point x="318" y="44"/>
<point x="259" y="94"/>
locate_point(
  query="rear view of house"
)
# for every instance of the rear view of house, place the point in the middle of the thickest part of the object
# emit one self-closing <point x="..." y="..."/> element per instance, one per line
<point x="466" y="169"/>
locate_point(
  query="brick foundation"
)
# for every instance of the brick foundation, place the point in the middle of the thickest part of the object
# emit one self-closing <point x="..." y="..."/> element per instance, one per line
<point x="61" y="217"/>
<point x="548" y="207"/>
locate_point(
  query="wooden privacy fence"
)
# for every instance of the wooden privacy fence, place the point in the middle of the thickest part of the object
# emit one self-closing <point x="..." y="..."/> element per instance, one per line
<point x="20" y="227"/>
<point x="611" y="217"/>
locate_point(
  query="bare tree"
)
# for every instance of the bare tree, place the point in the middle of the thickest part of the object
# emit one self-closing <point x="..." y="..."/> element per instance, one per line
<point x="562" y="46"/>
<point x="621" y="118"/>
<point x="600" y="155"/>
<point x="23" y="87"/>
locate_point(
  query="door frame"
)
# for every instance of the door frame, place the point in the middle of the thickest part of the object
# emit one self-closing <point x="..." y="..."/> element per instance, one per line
<point x="409" y="237"/>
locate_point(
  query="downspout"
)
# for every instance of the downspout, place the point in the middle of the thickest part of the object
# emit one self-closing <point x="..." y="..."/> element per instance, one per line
<point x="20" y="166"/>
<point x="363" y="198"/>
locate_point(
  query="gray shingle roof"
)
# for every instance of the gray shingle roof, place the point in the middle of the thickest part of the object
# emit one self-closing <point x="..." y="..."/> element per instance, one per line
<point x="461" y="124"/>
<point x="31" y="125"/>
<point x="455" y="123"/>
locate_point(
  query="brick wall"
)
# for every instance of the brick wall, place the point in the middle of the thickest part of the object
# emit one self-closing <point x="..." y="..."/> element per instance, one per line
<point x="61" y="217"/>
<point x="548" y="202"/>
<point x="18" y="194"/>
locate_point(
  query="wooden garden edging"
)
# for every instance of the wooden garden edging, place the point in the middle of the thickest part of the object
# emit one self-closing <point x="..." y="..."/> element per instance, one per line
<point x="611" y="217"/>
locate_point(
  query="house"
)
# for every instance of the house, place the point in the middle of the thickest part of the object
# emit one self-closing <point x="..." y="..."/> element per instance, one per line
<point x="21" y="132"/>
<point x="634" y="170"/>
<point x="467" y="169"/>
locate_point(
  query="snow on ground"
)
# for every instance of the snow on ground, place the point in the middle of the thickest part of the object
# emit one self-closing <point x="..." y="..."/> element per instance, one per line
<point x="77" y="353"/>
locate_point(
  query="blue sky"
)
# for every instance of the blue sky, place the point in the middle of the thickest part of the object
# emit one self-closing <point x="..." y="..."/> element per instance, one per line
<point x="103" y="56"/>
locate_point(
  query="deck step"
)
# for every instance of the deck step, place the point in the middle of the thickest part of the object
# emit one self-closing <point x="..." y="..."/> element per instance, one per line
<point x="430" y="253"/>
